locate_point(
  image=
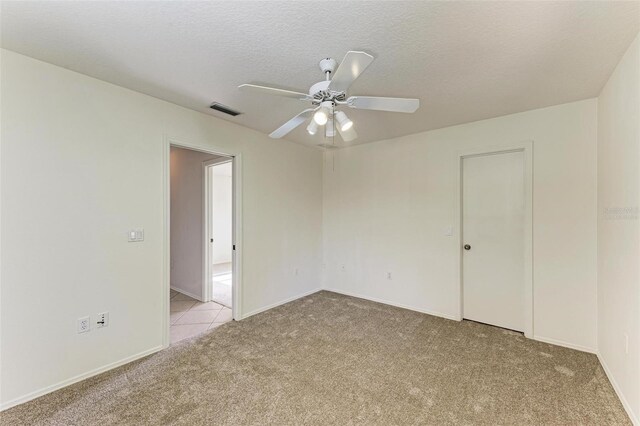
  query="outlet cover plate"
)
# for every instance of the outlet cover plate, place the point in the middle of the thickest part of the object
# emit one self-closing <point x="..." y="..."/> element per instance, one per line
<point x="84" y="324"/>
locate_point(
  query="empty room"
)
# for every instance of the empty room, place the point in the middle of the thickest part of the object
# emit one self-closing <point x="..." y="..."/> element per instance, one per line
<point x="320" y="213"/>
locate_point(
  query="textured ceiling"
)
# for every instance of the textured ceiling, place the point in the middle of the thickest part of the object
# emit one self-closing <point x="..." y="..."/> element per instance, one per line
<point x="465" y="61"/>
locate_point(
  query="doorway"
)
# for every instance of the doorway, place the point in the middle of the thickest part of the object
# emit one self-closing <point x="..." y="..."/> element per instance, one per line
<point x="494" y="221"/>
<point x="192" y="200"/>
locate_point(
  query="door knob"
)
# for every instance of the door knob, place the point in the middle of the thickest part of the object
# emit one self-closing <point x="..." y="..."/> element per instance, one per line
<point x="467" y="247"/>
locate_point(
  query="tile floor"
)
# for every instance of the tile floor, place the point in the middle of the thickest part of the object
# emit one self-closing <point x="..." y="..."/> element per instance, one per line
<point x="190" y="317"/>
<point x="221" y="268"/>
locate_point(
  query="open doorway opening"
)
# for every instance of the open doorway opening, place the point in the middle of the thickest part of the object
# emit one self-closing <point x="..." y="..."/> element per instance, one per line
<point x="201" y="241"/>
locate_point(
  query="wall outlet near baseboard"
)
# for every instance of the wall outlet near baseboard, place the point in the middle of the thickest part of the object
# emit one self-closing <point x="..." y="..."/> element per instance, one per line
<point x="103" y="320"/>
<point x="84" y="324"/>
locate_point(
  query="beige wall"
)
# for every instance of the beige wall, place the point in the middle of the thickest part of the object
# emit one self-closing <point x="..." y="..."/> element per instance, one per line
<point x="82" y="162"/>
<point x="388" y="205"/>
<point x="187" y="220"/>
<point x="619" y="228"/>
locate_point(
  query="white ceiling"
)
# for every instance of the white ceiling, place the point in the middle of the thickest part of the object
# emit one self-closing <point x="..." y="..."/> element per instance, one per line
<point x="466" y="61"/>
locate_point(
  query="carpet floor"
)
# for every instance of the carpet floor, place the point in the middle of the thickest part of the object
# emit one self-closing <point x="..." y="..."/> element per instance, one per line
<point x="329" y="359"/>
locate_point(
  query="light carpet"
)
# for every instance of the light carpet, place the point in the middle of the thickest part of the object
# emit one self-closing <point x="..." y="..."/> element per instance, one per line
<point x="329" y="359"/>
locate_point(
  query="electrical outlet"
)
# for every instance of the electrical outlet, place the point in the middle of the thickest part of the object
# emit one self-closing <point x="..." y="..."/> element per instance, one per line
<point x="388" y="275"/>
<point x="84" y="324"/>
<point x="103" y="320"/>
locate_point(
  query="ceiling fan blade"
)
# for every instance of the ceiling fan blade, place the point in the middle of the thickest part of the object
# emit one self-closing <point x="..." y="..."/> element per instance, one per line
<point x="384" y="104"/>
<point x="274" y="91"/>
<point x="292" y="124"/>
<point x="353" y="64"/>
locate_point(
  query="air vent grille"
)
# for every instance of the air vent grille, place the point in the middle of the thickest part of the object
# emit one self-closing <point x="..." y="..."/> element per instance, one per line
<point x="223" y="108"/>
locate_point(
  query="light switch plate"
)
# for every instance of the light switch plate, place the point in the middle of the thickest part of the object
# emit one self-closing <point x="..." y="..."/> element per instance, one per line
<point x="103" y="320"/>
<point x="135" y="235"/>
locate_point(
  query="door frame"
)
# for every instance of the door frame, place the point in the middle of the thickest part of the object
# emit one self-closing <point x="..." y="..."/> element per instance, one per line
<point x="526" y="147"/>
<point x="236" y="156"/>
<point x="207" y="216"/>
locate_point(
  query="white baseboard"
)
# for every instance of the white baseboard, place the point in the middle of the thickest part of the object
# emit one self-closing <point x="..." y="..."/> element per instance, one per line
<point x="186" y="293"/>
<point x="565" y="344"/>
<point x="397" y="305"/>
<point x="634" y="418"/>
<point x="282" y="302"/>
<point x="78" y="378"/>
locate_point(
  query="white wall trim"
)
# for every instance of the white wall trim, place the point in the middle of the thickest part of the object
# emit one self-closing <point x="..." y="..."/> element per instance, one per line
<point x="526" y="147"/>
<point x="397" y="305"/>
<point x="565" y="344"/>
<point x="168" y="142"/>
<point x="627" y="407"/>
<point x="282" y="302"/>
<point x="188" y="293"/>
<point x="40" y="392"/>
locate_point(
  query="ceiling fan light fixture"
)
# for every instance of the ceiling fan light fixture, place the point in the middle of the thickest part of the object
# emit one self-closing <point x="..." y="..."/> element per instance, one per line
<point x="343" y="121"/>
<point x="312" y="128"/>
<point x="322" y="115"/>
<point x="330" y="130"/>
<point x="348" y="135"/>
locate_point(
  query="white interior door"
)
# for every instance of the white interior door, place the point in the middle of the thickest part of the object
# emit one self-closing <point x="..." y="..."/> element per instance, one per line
<point x="493" y="202"/>
<point x="221" y="230"/>
<point x="222" y="217"/>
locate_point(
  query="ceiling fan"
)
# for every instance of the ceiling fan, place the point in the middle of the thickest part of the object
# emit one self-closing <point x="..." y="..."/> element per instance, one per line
<point x="327" y="95"/>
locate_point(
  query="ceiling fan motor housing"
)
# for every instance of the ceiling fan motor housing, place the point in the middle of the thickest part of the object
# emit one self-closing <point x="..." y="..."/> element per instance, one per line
<point x="328" y="65"/>
<point x="321" y="86"/>
<point x="320" y="93"/>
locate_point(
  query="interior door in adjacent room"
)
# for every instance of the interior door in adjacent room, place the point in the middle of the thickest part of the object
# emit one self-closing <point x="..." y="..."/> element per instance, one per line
<point x="220" y="231"/>
<point x="493" y="236"/>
